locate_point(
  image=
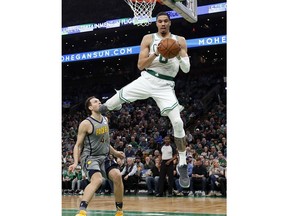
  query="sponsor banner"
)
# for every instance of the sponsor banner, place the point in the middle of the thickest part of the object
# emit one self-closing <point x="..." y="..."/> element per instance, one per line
<point x="201" y="10"/>
<point x="191" y="43"/>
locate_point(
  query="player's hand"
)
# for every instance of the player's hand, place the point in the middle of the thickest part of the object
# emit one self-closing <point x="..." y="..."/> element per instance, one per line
<point x="120" y="155"/>
<point x="156" y="51"/>
<point x="72" y="167"/>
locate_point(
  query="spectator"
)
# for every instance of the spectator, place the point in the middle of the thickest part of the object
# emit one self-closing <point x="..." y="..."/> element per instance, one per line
<point x="120" y="146"/>
<point x="152" y="178"/>
<point x="215" y="172"/>
<point x="199" y="174"/>
<point x="77" y="180"/>
<point x="67" y="178"/>
<point x="128" y="175"/>
<point x="222" y="159"/>
<point x="129" y="151"/>
<point x="223" y="183"/>
<point x="134" y="143"/>
<point x="148" y="163"/>
<point x="139" y="165"/>
<point x="121" y="163"/>
<point x="156" y="154"/>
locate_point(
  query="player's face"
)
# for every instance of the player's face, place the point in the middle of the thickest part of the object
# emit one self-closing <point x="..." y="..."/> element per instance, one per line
<point x="95" y="104"/>
<point x="163" y="24"/>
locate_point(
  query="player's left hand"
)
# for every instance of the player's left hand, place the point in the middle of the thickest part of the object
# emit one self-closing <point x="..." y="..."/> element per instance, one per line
<point x="120" y="155"/>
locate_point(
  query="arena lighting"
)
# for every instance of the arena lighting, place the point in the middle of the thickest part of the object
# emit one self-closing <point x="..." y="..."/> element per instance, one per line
<point x="132" y="50"/>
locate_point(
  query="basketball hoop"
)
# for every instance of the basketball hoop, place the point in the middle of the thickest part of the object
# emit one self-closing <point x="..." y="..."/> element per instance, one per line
<point x="142" y="10"/>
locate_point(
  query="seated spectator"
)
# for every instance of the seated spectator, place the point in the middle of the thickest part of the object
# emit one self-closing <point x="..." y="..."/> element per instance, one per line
<point x="121" y="164"/>
<point x="67" y="178"/>
<point x="128" y="175"/>
<point x="152" y="178"/>
<point x="129" y="152"/>
<point x="199" y="174"/>
<point x="215" y="172"/>
<point x="134" y="143"/>
<point x="156" y="154"/>
<point x="120" y="146"/>
<point x="222" y="159"/>
<point x="143" y="143"/>
<point x="77" y="180"/>
<point x="148" y="163"/>
<point x="139" y="166"/>
<point x="223" y="183"/>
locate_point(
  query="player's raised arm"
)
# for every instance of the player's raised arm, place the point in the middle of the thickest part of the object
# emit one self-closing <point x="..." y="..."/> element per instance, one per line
<point x="144" y="59"/>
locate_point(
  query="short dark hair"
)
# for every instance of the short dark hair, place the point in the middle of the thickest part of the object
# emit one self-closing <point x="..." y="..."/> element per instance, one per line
<point x="87" y="104"/>
<point x="163" y="14"/>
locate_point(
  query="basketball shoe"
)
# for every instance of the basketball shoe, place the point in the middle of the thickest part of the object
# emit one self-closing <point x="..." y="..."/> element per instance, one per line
<point x="119" y="213"/>
<point x="184" y="180"/>
<point x="81" y="213"/>
<point x="103" y="108"/>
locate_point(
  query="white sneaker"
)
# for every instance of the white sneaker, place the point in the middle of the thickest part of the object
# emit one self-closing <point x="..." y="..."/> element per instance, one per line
<point x="191" y="193"/>
<point x="211" y="193"/>
<point x="217" y="193"/>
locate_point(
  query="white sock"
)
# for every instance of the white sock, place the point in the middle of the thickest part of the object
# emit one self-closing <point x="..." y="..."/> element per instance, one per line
<point x="182" y="158"/>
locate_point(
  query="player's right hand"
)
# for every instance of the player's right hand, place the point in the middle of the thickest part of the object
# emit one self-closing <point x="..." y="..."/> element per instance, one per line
<point x="72" y="167"/>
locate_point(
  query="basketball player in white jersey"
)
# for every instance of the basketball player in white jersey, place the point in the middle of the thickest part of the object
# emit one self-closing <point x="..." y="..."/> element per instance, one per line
<point x="156" y="81"/>
<point x="93" y="146"/>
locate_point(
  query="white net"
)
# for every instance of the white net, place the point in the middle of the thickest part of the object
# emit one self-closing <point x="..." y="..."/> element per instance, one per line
<point x="142" y="11"/>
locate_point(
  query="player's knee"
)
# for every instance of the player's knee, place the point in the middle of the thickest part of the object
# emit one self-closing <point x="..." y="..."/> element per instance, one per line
<point x="115" y="176"/>
<point x="95" y="177"/>
<point x="177" y="124"/>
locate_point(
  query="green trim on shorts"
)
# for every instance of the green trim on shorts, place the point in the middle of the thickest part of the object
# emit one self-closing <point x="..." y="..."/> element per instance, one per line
<point x="160" y="76"/>
<point x="122" y="98"/>
<point x="169" y="108"/>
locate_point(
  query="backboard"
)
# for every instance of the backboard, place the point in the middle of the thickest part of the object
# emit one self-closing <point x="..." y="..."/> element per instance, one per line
<point x="186" y="8"/>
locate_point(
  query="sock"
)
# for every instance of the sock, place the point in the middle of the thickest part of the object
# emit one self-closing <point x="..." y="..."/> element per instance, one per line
<point x="83" y="205"/>
<point x="119" y="206"/>
<point x="182" y="158"/>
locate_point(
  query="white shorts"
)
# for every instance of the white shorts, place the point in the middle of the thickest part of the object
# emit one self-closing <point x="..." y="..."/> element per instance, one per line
<point x="162" y="91"/>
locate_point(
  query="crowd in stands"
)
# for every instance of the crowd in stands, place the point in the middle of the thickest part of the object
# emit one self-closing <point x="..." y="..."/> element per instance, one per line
<point x="139" y="131"/>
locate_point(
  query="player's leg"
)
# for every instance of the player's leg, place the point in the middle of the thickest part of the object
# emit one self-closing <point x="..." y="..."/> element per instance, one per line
<point x="95" y="183"/>
<point x="136" y="90"/>
<point x="179" y="139"/>
<point x="113" y="103"/>
<point x="115" y="176"/>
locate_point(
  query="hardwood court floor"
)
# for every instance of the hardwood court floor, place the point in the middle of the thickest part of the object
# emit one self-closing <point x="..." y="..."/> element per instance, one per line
<point x="103" y="205"/>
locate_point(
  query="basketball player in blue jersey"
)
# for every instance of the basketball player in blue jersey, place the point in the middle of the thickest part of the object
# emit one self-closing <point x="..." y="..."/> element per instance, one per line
<point x="93" y="147"/>
<point x="156" y="81"/>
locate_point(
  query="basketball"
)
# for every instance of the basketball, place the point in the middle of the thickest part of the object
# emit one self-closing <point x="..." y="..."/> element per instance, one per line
<point x="169" y="48"/>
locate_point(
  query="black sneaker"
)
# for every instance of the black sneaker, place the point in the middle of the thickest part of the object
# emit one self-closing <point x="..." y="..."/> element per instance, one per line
<point x="103" y="109"/>
<point x="184" y="179"/>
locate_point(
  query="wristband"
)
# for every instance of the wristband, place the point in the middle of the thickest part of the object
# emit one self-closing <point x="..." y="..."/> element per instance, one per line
<point x="156" y="54"/>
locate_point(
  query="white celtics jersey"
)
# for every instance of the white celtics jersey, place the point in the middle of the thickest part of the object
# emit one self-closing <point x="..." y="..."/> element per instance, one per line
<point x="161" y="65"/>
